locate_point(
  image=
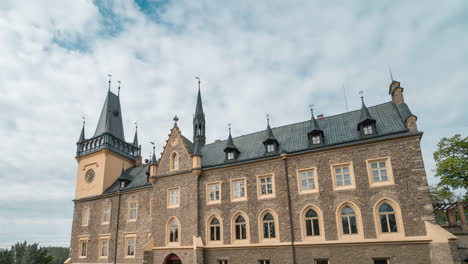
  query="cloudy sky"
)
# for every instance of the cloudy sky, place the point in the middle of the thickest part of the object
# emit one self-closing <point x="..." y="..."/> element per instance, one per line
<point x="254" y="57"/>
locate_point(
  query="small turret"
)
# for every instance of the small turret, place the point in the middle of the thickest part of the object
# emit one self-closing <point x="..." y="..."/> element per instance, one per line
<point x="315" y="133"/>
<point x="231" y="151"/>
<point x="270" y="142"/>
<point x="366" y="123"/>
<point x="153" y="166"/>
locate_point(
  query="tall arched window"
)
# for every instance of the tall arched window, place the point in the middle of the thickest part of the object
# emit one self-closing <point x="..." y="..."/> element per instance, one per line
<point x="174" y="161"/>
<point x="240" y="228"/>
<point x="349" y="221"/>
<point x="268" y="223"/>
<point x="173" y="231"/>
<point x="312" y="223"/>
<point x="388" y="222"/>
<point x="215" y="230"/>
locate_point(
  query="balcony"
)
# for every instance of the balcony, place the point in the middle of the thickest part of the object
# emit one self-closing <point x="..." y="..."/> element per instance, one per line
<point x="107" y="141"/>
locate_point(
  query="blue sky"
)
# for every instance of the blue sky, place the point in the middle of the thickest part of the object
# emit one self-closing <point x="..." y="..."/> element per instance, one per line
<point x="254" y="57"/>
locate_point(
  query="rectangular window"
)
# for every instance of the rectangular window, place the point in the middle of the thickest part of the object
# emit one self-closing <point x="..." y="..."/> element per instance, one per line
<point x="132" y="207"/>
<point x="238" y="189"/>
<point x="83" y="248"/>
<point x="307" y="180"/>
<point x="223" y="261"/>
<point x="382" y="261"/>
<point x="174" y="197"/>
<point x="343" y="176"/>
<point x="106" y="214"/>
<point x="321" y="261"/>
<point x="368" y="130"/>
<point x="265" y="186"/>
<point x="316" y="140"/>
<point x="104" y="248"/>
<point x="264" y="261"/>
<point x="214" y="192"/>
<point x="85" y="217"/>
<point x="270" y="148"/>
<point x="130" y="246"/>
<point x="380" y="171"/>
<point x="230" y="155"/>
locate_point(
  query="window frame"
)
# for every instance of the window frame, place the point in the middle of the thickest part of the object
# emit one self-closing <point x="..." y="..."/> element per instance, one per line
<point x="86" y="209"/>
<point x="101" y="239"/>
<point x="80" y="246"/>
<point x="208" y="230"/>
<point x="262" y="238"/>
<point x="127" y="238"/>
<point x="398" y="217"/>
<point x="386" y="259"/>
<point x="169" y="205"/>
<point x="233" y="229"/>
<point x="316" y="261"/>
<point x="129" y="211"/>
<point x="352" y="176"/>
<point x="261" y="196"/>
<point x="222" y="261"/>
<point x="232" y="189"/>
<point x="168" y="229"/>
<point x="264" y="261"/>
<point x="230" y="155"/>
<point x="299" y="180"/>
<point x="359" y="226"/>
<point x="103" y="219"/>
<point x="208" y="192"/>
<point x="366" y="128"/>
<point x="305" y="237"/>
<point x="388" y="166"/>
<point x="270" y="147"/>
<point x="174" y="164"/>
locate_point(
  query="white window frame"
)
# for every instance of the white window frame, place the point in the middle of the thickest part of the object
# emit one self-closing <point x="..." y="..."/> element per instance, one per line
<point x="271" y="148"/>
<point x="128" y="238"/>
<point x="334" y="174"/>
<point x="106" y="216"/>
<point x="388" y="168"/>
<point x="264" y="185"/>
<point x="173" y="201"/>
<point x="234" y="190"/>
<point x="209" y="193"/>
<point x="132" y="212"/>
<point x="368" y="130"/>
<point x="315" y="180"/>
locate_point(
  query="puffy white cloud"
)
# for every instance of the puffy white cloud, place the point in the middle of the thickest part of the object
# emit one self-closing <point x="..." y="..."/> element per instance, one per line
<point x="254" y="57"/>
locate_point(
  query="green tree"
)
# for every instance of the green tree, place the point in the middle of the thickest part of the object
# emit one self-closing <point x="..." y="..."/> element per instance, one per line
<point x="60" y="254"/>
<point x="22" y="253"/>
<point x="451" y="159"/>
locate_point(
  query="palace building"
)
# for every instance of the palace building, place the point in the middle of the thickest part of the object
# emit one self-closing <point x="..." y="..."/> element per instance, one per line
<point x="349" y="188"/>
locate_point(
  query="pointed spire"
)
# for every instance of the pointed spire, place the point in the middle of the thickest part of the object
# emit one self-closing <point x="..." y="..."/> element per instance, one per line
<point x="199" y="106"/>
<point x="199" y="137"/>
<point x="365" y="114"/>
<point x="230" y="142"/>
<point x="313" y="125"/>
<point x="154" y="161"/>
<point x="135" y="138"/>
<point x="110" y="120"/>
<point x="82" y="134"/>
<point x="269" y="136"/>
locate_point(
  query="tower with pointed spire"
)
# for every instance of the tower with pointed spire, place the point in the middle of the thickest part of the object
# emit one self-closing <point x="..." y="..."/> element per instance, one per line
<point x="102" y="157"/>
<point x="199" y="137"/>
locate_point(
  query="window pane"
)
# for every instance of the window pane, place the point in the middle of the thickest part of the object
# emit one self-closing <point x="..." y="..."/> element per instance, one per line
<point x="244" y="231"/>
<point x="384" y="223"/>
<point x="316" y="227"/>
<point x="345" y="169"/>
<point x="345" y="223"/>
<point x="347" y="179"/>
<point x="218" y="232"/>
<point x="385" y="208"/>
<point x="272" y="230"/>
<point x="238" y="231"/>
<point x="382" y="164"/>
<point x="380" y="261"/>
<point x="266" y="232"/>
<point x="311" y="213"/>
<point x="309" y="227"/>
<point x="347" y="211"/>
<point x="337" y="170"/>
<point x="374" y="165"/>
<point x="353" y="223"/>
<point x="392" y="223"/>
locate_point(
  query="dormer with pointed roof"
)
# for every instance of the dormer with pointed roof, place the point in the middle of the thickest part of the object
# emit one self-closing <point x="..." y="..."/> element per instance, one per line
<point x="367" y="123"/>
<point x="270" y="142"/>
<point x="231" y="151"/>
<point x="314" y="133"/>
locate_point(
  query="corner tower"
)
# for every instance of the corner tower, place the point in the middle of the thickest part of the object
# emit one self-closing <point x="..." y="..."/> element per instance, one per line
<point x="102" y="157"/>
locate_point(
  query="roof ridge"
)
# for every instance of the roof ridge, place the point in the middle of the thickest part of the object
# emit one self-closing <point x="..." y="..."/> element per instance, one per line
<point x="327" y="117"/>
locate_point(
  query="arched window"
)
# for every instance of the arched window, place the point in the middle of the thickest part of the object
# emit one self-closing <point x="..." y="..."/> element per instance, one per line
<point x="215" y="230"/>
<point x="173" y="231"/>
<point x="240" y="228"/>
<point x="312" y="223"/>
<point x="349" y="221"/>
<point x="175" y="161"/>
<point x="388" y="222"/>
<point x="268" y="223"/>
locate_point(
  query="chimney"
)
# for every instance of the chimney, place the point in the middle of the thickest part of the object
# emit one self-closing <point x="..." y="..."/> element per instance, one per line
<point x="320" y="116"/>
<point x="396" y="91"/>
<point x="217" y="140"/>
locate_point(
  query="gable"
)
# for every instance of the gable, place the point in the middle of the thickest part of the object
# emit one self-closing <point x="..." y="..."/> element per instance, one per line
<point x="178" y="145"/>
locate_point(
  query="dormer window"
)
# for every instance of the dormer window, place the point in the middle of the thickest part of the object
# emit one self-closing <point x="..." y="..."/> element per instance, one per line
<point x="368" y="130"/>
<point x="230" y="155"/>
<point x="271" y="147"/>
<point x="122" y="184"/>
<point x="316" y="140"/>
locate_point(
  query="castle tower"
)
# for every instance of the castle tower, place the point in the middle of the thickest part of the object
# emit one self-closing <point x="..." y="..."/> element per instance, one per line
<point x="102" y="157"/>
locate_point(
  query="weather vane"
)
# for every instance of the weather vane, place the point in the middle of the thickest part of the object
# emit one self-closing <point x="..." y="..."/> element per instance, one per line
<point x="199" y="81"/>
<point x="110" y="76"/>
<point x="154" y="146"/>
<point x="118" y="93"/>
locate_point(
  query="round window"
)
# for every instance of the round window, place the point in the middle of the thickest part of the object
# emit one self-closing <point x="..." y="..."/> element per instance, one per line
<point x="89" y="176"/>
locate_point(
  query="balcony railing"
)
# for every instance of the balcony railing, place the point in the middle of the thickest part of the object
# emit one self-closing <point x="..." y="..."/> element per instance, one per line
<point x="107" y="141"/>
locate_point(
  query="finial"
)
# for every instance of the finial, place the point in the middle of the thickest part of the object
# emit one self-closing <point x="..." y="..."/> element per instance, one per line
<point x="229" y="126"/>
<point x="361" y="93"/>
<point x="136" y="126"/>
<point x="110" y="76"/>
<point x="118" y="93"/>
<point x="391" y="74"/>
<point x="84" y="120"/>
<point x="268" y="118"/>
<point x="154" y="147"/>
<point x="311" y="106"/>
<point x="199" y="81"/>
<point x="176" y="118"/>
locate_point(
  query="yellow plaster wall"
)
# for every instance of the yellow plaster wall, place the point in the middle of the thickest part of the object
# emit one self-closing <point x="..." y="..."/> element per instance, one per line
<point x="107" y="167"/>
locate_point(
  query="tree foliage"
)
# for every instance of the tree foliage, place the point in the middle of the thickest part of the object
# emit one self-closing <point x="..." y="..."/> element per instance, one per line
<point x="451" y="159"/>
<point x="60" y="254"/>
<point x="22" y="253"/>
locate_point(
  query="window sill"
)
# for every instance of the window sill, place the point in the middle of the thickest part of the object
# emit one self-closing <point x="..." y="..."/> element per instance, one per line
<point x="345" y="188"/>
<point x="213" y="202"/>
<point x="309" y="191"/>
<point x="239" y="200"/>
<point x="173" y="206"/>
<point x="264" y="197"/>
<point x="380" y="184"/>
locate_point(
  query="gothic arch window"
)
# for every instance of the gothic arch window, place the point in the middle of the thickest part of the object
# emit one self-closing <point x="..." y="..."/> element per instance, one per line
<point x="173" y="231"/>
<point x="312" y="223"/>
<point x="174" y="161"/>
<point x="349" y="221"/>
<point x="268" y="225"/>
<point x="240" y="228"/>
<point x="388" y="218"/>
<point x="214" y="229"/>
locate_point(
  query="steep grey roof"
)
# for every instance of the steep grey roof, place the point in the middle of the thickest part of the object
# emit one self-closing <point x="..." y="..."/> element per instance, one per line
<point x="189" y="144"/>
<point x="199" y="107"/>
<point x="269" y="136"/>
<point x="153" y="159"/>
<point x="404" y="111"/>
<point x="337" y="129"/>
<point x="313" y="125"/>
<point x="82" y="135"/>
<point x="365" y="114"/>
<point x="110" y="120"/>
<point x="229" y="144"/>
<point x="135" y="139"/>
<point x="135" y="176"/>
